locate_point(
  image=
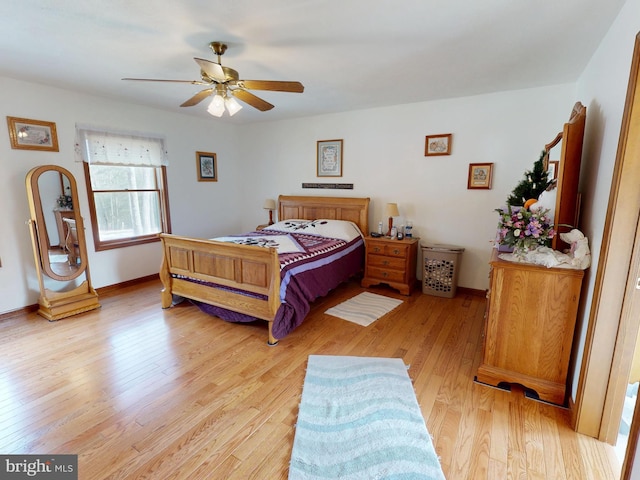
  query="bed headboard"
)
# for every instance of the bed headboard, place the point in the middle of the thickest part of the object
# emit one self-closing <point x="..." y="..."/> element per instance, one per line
<point x="353" y="209"/>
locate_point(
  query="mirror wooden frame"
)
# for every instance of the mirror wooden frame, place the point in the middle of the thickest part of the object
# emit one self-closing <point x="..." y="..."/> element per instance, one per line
<point x="71" y="298"/>
<point x="567" y="211"/>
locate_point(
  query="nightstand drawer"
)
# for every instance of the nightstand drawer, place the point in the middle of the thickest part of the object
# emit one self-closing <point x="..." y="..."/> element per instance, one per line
<point x="386" y="274"/>
<point x="386" y="262"/>
<point x="399" y="250"/>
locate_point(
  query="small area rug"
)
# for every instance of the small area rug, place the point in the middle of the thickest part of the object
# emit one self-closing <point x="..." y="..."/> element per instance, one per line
<point x="359" y="419"/>
<point x="364" y="309"/>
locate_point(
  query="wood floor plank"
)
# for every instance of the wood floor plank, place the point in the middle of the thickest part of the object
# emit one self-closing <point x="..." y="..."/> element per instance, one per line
<point x="534" y="446"/>
<point x="595" y="460"/>
<point x="499" y="450"/>
<point x="141" y="392"/>
<point x="517" y="455"/>
<point x="449" y="441"/>
<point x="552" y="449"/>
<point x="463" y="445"/>
<point x="496" y="470"/>
<point x="571" y="454"/>
<point x="478" y="467"/>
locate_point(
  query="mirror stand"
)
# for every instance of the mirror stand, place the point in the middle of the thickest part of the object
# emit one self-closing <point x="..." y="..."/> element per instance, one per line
<point x="51" y="190"/>
<point x="56" y="305"/>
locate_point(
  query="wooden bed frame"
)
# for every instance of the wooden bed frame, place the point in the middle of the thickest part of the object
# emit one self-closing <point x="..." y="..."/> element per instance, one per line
<point x="243" y="267"/>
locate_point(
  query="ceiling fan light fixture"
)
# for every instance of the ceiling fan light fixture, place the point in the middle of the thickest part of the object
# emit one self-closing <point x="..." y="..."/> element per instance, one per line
<point x="232" y="105"/>
<point x="224" y="83"/>
<point x="216" y="107"/>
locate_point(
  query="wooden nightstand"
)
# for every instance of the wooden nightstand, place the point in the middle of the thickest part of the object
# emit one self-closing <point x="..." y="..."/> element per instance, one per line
<point x="392" y="262"/>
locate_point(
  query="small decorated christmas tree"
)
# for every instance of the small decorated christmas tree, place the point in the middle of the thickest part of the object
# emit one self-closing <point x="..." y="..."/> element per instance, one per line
<point x="534" y="183"/>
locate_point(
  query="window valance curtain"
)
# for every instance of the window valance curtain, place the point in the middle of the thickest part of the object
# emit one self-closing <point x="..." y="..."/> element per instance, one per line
<point x="100" y="146"/>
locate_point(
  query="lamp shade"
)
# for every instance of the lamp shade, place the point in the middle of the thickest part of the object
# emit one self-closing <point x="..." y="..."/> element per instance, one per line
<point x="392" y="210"/>
<point x="232" y="105"/>
<point x="216" y="107"/>
<point x="269" y="204"/>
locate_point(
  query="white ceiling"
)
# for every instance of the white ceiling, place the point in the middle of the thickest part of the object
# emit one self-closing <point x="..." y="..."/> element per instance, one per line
<point x="349" y="54"/>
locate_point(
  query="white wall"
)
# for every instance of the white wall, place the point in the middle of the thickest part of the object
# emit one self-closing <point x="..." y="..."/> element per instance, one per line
<point x="197" y="208"/>
<point x="384" y="159"/>
<point x="603" y="88"/>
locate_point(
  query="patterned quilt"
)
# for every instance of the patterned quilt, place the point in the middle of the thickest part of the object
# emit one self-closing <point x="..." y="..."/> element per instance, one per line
<point x="310" y="266"/>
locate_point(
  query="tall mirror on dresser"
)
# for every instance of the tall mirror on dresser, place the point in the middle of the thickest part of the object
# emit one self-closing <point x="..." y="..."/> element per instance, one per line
<point x="567" y="173"/>
<point x="59" y="248"/>
<point x="531" y="309"/>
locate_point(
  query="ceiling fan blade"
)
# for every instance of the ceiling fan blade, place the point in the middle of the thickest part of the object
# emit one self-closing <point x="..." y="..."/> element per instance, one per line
<point x="192" y="82"/>
<point x="275" y="86"/>
<point x="198" y="97"/>
<point x="252" y="100"/>
<point x="212" y="69"/>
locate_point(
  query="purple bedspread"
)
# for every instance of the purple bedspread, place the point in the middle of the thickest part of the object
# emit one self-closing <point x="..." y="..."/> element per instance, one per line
<point x="320" y="266"/>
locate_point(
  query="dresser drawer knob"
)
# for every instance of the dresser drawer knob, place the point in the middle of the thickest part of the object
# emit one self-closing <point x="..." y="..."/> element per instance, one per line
<point x="385" y="274"/>
<point x="385" y="262"/>
<point x="396" y="252"/>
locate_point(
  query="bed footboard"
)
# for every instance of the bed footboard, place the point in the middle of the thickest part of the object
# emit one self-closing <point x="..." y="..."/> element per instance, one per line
<point x="242" y="267"/>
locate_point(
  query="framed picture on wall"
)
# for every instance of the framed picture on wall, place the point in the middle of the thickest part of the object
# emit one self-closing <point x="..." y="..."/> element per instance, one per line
<point x="207" y="167"/>
<point x="27" y="134"/>
<point x="437" y="145"/>
<point x="329" y="158"/>
<point x="480" y="176"/>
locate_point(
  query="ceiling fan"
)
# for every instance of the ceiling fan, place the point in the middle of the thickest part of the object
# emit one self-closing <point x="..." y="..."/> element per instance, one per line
<point x="225" y="85"/>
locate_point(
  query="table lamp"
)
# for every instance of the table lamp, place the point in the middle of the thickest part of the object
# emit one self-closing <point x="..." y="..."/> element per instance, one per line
<point x="391" y="211"/>
<point x="270" y="205"/>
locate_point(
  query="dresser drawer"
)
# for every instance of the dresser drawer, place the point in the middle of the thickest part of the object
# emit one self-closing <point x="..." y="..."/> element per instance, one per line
<point x="386" y="274"/>
<point x="383" y="261"/>
<point x="400" y="250"/>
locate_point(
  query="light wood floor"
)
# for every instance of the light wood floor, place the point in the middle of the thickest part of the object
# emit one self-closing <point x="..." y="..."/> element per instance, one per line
<point x="141" y="392"/>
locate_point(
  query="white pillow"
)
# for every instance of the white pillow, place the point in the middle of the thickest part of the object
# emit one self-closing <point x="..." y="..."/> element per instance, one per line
<point x="342" y="229"/>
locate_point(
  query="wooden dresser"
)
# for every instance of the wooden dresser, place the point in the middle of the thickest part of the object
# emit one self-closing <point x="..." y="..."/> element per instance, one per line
<point x="392" y="262"/>
<point x="529" y="327"/>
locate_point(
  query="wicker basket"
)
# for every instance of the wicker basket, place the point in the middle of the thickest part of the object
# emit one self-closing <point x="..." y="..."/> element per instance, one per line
<point x="441" y="264"/>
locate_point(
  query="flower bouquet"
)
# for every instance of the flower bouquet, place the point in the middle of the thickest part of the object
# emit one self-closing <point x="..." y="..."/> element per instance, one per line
<point x="65" y="201"/>
<point x="524" y="230"/>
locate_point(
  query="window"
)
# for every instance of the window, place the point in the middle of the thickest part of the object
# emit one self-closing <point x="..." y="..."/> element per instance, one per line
<point x="126" y="183"/>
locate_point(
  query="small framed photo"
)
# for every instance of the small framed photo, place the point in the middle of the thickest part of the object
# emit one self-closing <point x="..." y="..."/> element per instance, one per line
<point x="437" y="145"/>
<point x="27" y="134"/>
<point x="329" y="158"/>
<point x="480" y="176"/>
<point x="207" y="167"/>
<point x="552" y="169"/>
